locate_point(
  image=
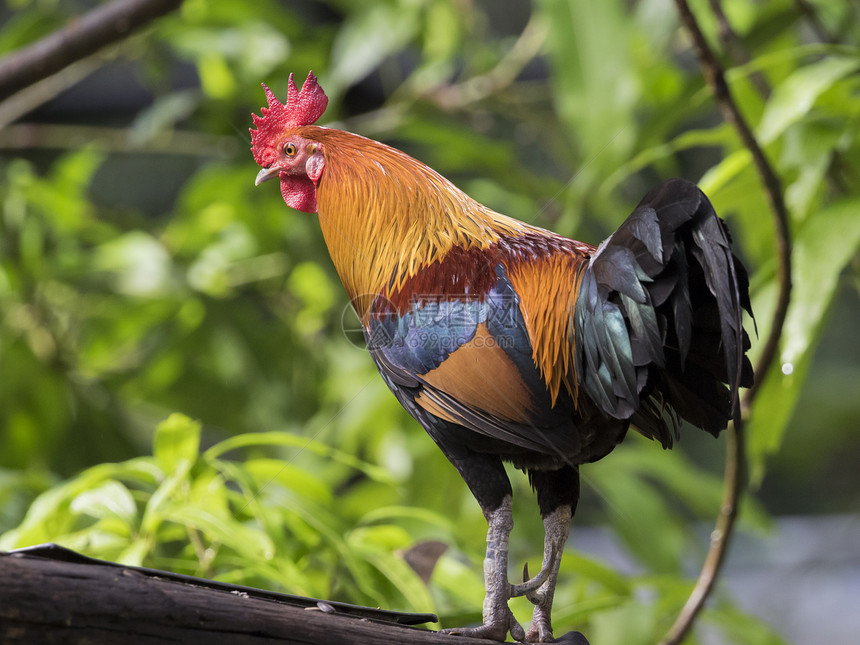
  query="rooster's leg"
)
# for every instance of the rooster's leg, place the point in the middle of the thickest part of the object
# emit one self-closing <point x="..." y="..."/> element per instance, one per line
<point x="498" y="619"/>
<point x="557" y="493"/>
<point x="486" y="478"/>
<point x="557" y="527"/>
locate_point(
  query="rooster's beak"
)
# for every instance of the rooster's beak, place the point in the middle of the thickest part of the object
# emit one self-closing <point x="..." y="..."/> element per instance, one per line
<point x="266" y="174"/>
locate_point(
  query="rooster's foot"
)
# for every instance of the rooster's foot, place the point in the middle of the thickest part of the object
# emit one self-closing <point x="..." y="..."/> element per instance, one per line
<point x="495" y="629"/>
<point x="540" y="631"/>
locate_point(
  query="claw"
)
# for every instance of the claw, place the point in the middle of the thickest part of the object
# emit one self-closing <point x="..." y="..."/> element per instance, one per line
<point x="497" y="630"/>
<point x="528" y="586"/>
<point x="518" y="633"/>
<point x="530" y="595"/>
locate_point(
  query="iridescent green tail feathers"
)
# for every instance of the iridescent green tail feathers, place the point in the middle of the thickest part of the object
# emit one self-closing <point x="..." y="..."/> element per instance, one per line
<point x="657" y="327"/>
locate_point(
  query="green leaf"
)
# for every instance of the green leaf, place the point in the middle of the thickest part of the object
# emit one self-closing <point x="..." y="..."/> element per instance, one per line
<point x="631" y="623"/>
<point x="291" y="440"/>
<point x="462" y="581"/>
<point x="386" y="537"/>
<point x="140" y="264"/>
<point x="176" y="442"/>
<point x="720" y="175"/>
<point x="175" y="446"/>
<point x="111" y="499"/>
<point x="596" y="86"/>
<point x="640" y="515"/>
<point x="225" y="529"/>
<point x="215" y="75"/>
<point x="700" y="490"/>
<point x="388" y="513"/>
<point x="163" y="115"/>
<point x="794" y="97"/>
<point x="379" y="545"/>
<point x="601" y="573"/>
<point x="268" y="471"/>
<point x="594" y="604"/>
<point x="719" y="135"/>
<point x="134" y="554"/>
<point x="823" y="247"/>
<point x="50" y="515"/>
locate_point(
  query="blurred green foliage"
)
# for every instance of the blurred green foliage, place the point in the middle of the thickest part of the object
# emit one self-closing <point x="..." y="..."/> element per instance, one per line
<point x="176" y="387"/>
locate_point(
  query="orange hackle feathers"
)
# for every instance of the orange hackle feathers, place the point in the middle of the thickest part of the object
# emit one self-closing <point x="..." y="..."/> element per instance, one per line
<point x="385" y="216"/>
<point x="547" y="290"/>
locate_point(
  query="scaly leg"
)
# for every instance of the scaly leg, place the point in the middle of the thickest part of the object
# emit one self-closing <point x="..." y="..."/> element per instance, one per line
<point x="485" y="475"/>
<point x="486" y="478"/>
<point x="498" y="618"/>
<point x="558" y="493"/>
<point x="557" y="528"/>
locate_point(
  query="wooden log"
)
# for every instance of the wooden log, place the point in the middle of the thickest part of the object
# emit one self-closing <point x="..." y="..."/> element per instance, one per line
<point x="69" y="599"/>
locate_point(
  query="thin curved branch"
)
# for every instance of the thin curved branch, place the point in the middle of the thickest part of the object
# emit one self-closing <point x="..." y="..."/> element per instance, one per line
<point x="734" y="483"/>
<point x="80" y="38"/>
<point x="29" y="98"/>
<point x="54" y="136"/>
<point x="714" y="75"/>
<point x="732" y="44"/>
<point x="735" y="469"/>
<point x="478" y="88"/>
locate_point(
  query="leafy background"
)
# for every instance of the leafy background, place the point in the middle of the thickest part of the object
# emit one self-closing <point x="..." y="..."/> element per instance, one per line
<point x="180" y="385"/>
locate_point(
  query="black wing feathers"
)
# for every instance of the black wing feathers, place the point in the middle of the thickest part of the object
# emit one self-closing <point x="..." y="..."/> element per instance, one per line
<point x="657" y="325"/>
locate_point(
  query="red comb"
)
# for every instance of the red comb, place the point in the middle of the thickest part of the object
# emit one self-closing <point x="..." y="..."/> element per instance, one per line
<point x="303" y="108"/>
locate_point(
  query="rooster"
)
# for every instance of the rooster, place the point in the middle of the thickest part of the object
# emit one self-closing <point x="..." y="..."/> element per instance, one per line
<point x="510" y="343"/>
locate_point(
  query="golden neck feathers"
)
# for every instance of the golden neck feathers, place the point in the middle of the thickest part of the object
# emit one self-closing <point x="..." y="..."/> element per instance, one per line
<point x="385" y="215"/>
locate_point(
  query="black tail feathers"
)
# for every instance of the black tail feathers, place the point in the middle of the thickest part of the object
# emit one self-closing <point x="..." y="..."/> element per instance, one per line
<point x="657" y="326"/>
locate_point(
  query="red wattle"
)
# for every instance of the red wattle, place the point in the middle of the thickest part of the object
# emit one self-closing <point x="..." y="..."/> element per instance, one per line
<point x="299" y="193"/>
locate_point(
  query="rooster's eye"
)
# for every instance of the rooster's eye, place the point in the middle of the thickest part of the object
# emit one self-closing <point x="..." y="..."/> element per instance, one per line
<point x="290" y="149"/>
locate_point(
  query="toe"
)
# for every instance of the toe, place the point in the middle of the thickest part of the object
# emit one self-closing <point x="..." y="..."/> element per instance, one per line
<point x="496" y="630"/>
<point x="540" y="630"/>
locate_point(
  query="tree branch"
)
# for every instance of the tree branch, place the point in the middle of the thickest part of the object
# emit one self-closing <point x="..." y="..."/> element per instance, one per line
<point x="734" y="482"/>
<point x="732" y="44"/>
<point x="80" y="38"/>
<point x="478" y="88"/>
<point x="52" y="595"/>
<point x="31" y="97"/>
<point x="714" y="75"/>
<point x="734" y="478"/>
<point x="181" y="143"/>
